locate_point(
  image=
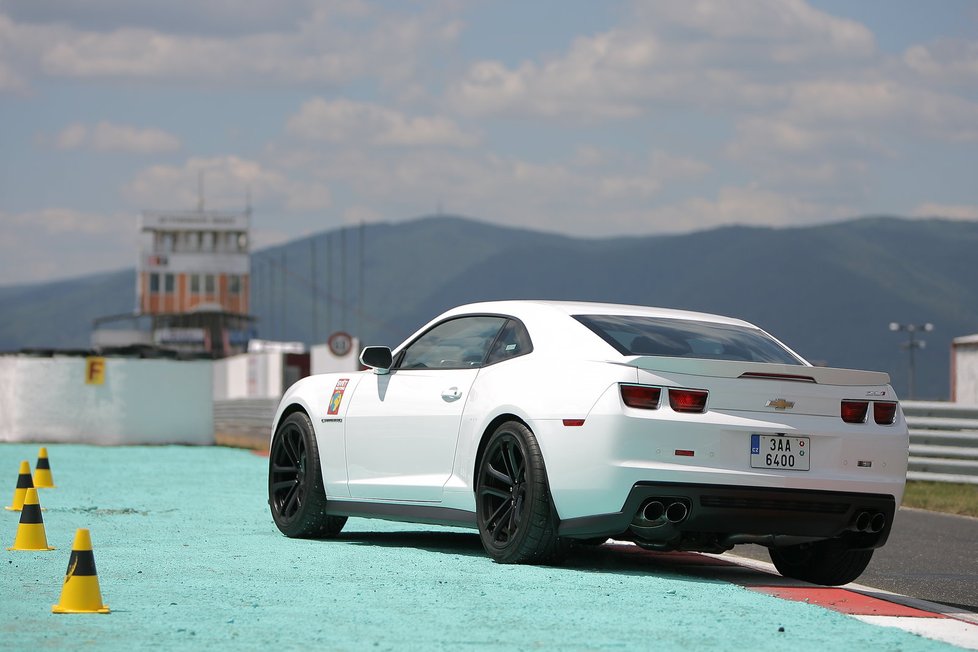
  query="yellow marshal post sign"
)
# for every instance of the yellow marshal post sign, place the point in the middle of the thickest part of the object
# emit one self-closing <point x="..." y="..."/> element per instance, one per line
<point x="94" y="371"/>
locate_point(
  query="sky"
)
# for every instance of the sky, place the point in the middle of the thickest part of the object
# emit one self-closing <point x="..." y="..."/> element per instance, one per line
<point x="588" y="118"/>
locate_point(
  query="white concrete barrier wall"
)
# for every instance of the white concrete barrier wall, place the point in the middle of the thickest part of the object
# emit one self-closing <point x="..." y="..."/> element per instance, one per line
<point x="140" y="401"/>
<point x="248" y="375"/>
<point x="324" y="361"/>
<point x="966" y="373"/>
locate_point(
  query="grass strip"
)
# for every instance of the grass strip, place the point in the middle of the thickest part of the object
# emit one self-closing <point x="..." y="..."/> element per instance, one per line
<point x="947" y="497"/>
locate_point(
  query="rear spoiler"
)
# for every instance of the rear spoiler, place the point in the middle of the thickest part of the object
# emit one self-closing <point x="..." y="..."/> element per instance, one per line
<point x="760" y="370"/>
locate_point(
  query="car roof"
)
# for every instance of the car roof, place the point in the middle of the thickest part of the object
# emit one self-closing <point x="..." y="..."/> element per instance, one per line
<point x="521" y="308"/>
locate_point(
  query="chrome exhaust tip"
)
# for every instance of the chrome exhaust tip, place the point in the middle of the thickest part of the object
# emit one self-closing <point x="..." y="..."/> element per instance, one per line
<point x="653" y="511"/>
<point x="677" y="512"/>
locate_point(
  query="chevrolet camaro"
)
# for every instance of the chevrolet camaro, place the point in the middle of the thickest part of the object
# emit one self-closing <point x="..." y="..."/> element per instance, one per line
<point x="542" y="424"/>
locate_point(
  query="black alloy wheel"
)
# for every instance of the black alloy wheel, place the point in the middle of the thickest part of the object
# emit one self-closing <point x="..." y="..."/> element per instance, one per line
<point x="516" y="518"/>
<point x="295" y="483"/>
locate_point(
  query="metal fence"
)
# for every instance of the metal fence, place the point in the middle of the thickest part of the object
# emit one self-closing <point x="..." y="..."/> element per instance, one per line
<point x="943" y="436"/>
<point x="943" y="441"/>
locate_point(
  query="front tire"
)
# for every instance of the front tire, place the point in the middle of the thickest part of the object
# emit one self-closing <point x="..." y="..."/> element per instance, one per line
<point x="830" y="563"/>
<point x="516" y="518"/>
<point x="295" y="482"/>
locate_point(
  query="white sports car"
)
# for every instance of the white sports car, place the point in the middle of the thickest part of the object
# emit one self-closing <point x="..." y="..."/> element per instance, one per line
<point x="544" y="423"/>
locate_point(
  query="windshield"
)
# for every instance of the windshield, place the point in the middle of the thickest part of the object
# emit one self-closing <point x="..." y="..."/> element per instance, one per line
<point x="680" y="338"/>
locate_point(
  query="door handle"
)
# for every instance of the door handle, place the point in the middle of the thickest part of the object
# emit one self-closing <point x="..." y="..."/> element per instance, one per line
<point x="451" y="394"/>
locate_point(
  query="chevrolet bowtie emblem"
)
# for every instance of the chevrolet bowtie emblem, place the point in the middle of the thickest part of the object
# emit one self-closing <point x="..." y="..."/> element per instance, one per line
<point x="781" y="404"/>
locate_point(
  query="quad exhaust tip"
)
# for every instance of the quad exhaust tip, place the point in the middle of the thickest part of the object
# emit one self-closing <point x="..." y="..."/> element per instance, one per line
<point x="870" y="522"/>
<point x="656" y="511"/>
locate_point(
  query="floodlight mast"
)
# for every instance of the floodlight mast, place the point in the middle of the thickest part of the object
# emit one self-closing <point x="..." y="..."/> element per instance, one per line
<point x="912" y="345"/>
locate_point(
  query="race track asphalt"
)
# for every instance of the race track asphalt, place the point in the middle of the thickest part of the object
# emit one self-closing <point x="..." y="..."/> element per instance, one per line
<point x="929" y="555"/>
<point x="188" y="558"/>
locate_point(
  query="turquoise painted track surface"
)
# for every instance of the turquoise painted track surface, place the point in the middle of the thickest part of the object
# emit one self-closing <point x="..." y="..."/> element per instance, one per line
<point x="188" y="558"/>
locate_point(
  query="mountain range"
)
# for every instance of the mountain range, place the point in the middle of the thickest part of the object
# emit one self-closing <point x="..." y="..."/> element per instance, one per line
<point x="829" y="291"/>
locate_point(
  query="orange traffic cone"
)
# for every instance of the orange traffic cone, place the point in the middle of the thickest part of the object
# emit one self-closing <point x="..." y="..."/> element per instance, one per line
<point x="42" y="471"/>
<point x="80" y="593"/>
<point x="30" y="532"/>
<point x="24" y="482"/>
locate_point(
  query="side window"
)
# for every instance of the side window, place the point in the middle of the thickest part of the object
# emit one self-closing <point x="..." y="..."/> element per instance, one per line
<point x="512" y="342"/>
<point x="455" y="344"/>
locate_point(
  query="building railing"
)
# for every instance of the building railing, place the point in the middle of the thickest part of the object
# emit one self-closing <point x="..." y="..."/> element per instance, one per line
<point x="943" y="441"/>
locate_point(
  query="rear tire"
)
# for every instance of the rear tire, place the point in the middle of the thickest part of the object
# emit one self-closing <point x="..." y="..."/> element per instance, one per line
<point x="823" y="562"/>
<point x="295" y="482"/>
<point x="517" y="520"/>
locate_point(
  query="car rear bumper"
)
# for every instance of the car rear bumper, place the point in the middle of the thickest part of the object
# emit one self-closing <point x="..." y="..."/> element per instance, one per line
<point x="719" y="516"/>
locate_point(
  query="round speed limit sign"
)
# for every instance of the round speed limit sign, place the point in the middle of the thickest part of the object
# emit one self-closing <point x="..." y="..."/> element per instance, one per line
<point x="340" y="344"/>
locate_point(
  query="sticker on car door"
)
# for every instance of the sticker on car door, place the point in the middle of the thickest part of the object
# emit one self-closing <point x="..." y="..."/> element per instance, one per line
<point x="337" y="398"/>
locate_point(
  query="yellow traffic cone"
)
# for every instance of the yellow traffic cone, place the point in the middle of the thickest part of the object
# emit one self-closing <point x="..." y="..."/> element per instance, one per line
<point x="80" y="593"/>
<point x="42" y="471"/>
<point x="24" y="482"/>
<point x="30" y="532"/>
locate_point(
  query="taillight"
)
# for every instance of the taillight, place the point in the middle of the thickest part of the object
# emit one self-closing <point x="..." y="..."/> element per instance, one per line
<point x="854" y="411"/>
<point x="884" y="412"/>
<point x="641" y="396"/>
<point x="688" y="400"/>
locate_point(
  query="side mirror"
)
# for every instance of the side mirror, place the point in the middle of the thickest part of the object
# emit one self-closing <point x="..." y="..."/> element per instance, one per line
<point x="378" y="358"/>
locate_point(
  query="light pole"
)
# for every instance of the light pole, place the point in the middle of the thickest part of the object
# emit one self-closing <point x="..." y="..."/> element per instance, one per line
<point x="912" y="344"/>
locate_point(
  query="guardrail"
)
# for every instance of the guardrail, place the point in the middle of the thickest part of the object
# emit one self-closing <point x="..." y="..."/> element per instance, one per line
<point x="943" y="441"/>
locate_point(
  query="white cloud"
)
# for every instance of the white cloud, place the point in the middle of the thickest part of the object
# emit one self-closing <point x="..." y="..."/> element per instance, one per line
<point x="227" y="183"/>
<point x="747" y="205"/>
<point x="661" y="168"/>
<point x="264" y="237"/>
<point x="848" y="124"/>
<point x="949" y="211"/>
<point x="61" y="242"/>
<point x="704" y="53"/>
<point x="788" y="31"/>
<point x="947" y="61"/>
<point x="594" y="193"/>
<point x="73" y="136"/>
<point x="475" y="179"/>
<point x="317" y="44"/>
<point x="346" y="121"/>
<point x="109" y="137"/>
<point x="752" y="205"/>
<point x="10" y="81"/>
<point x="219" y="17"/>
<point x="362" y="215"/>
<point x="587" y="83"/>
<point x="13" y="45"/>
<point x="884" y="105"/>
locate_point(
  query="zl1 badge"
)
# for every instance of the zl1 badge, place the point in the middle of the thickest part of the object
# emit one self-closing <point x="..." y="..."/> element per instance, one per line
<point x="334" y="402"/>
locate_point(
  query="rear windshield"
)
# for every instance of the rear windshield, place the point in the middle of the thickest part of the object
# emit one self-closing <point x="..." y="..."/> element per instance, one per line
<point x="680" y="338"/>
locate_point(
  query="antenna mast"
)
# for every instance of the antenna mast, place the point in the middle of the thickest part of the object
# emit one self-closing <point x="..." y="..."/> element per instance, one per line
<point x="200" y="191"/>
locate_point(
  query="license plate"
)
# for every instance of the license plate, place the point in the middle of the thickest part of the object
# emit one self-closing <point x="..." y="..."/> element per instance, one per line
<point x="780" y="452"/>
